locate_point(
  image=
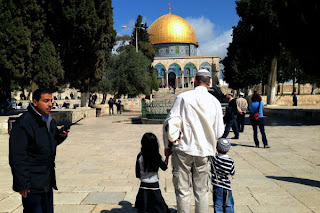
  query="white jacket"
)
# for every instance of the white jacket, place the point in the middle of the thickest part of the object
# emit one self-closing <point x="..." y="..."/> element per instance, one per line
<point x="198" y="114"/>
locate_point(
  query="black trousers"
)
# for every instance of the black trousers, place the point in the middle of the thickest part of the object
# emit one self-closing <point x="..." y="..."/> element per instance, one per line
<point x="240" y="121"/>
<point x="38" y="203"/>
<point x="232" y="123"/>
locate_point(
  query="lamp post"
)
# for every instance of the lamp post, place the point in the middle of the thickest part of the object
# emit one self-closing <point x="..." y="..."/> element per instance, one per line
<point x="136" y="34"/>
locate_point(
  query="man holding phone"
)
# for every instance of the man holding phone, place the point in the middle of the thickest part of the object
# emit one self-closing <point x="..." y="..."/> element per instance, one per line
<point x="32" y="150"/>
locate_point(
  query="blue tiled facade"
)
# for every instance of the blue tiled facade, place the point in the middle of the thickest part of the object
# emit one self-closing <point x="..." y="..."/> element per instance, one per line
<point x="175" y="50"/>
<point x="161" y="70"/>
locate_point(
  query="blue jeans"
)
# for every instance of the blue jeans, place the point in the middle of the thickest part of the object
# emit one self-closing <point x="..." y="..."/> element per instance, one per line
<point x="255" y="124"/>
<point x="222" y="200"/>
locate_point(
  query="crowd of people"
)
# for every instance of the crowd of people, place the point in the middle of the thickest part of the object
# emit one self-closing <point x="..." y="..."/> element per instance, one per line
<point x="235" y="117"/>
<point x="194" y="136"/>
<point x="112" y="102"/>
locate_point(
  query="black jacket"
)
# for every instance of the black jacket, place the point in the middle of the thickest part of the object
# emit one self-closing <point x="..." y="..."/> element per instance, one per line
<point x="231" y="110"/>
<point x="32" y="152"/>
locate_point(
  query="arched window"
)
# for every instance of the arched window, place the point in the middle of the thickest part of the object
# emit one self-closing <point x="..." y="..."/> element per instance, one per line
<point x="188" y="69"/>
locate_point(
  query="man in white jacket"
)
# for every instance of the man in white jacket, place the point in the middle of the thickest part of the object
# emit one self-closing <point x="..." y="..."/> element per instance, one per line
<point x="193" y="126"/>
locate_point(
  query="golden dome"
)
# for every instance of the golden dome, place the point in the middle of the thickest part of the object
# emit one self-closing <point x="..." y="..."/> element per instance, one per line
<point x="171" y="28"/>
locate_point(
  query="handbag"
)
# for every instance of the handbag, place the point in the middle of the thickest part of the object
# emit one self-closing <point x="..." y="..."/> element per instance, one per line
<point x="256" y="115"/>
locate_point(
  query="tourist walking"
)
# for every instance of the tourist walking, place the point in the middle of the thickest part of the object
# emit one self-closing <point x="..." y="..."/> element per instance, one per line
<point x="149" y="160"/>
<point x="192" y="128"/>
<point x="295" y="99"/>
<point x="32" y="151"/>
<point x="242" y="106"/>
<point x="256" y="119"/>
<point x="110" y="103"/>
<point x="221" y="167"/>
<point x="230" y="118"/>
<point x="94" y="98"/>
<point x="118" y="103"/>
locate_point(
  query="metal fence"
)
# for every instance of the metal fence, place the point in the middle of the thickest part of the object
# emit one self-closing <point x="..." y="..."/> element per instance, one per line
<point x="156" y="110"/>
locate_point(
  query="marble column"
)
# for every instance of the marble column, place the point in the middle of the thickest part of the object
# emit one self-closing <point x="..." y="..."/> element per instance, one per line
<point x="177" y="82"/>
<point x="182" y="79"/>
<point x="167" y="79"/>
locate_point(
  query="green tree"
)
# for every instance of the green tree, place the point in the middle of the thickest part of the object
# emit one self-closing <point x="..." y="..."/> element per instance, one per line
<point x="298" y="31"/>
<point x="48" y="66"/>
<point x="154" y="81"/>
<point x="84" y="36"/>
<point x="129" y="74"/>
<point x="24" y="47"/>
<point x="271" y="26"/>
<point x="241" y="66"/>
<point x="105" y="85"/>
<point x="33" y="13"/>
<point x="144" y="44"/>
<point x="15" y="48"/>
<point x="261" y="19"/>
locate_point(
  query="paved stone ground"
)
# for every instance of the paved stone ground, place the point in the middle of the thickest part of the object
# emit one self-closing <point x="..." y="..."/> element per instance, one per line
<point x="95" y="169"/>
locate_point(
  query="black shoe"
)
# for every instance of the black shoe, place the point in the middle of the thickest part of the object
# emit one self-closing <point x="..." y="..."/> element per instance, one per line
<point x="235" y="138"/>
<point x="266" y="146"/>
<point x="257" y="145"/>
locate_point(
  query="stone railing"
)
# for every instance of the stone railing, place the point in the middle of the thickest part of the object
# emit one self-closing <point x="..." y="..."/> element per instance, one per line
<point x="303" y="100"/>
<point x="156" y="110"/>
<point x="62" y="116"/>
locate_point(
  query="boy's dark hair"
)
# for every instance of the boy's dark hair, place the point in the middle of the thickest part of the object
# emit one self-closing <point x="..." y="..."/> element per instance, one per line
<point x="256" y="97"/>
<point x="203" y="79"/>
<point x="37" y="93"/>
<point x="150" y="152"/>
<point x="221" y="152"/>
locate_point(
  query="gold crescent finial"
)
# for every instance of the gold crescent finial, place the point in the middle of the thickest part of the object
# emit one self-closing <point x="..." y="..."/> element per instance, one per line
<point x="169" y="7"/>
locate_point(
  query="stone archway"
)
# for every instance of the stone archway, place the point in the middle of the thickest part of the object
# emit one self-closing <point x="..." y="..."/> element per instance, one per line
<point x="172" y="79"/>
<point x="213" y="61"/>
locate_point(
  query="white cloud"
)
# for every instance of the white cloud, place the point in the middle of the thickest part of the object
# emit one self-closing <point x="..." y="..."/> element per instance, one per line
<point x="210" y="41"/>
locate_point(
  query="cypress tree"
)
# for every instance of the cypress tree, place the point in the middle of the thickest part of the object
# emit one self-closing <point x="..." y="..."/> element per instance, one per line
<point x="15" y="48"/>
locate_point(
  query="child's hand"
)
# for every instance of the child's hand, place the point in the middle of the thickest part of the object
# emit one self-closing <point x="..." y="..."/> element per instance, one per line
<point x="167" y="151"/>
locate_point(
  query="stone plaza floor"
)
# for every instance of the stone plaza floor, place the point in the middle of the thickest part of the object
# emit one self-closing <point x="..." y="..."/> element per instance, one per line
<point x="95" y="168"/>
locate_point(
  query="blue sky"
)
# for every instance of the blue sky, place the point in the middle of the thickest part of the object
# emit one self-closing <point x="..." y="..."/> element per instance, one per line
<point x="212" y="20"/>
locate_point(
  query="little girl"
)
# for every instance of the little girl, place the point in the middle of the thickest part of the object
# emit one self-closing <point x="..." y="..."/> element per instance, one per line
<point x="149" y="197"/>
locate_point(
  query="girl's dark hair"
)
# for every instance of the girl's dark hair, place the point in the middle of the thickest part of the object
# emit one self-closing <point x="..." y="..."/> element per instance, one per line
<point x="150" y="152"/>
<point x="256" y="97"/>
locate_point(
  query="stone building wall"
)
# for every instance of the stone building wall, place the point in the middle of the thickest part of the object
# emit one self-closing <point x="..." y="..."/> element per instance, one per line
<point x="303" y="100"/>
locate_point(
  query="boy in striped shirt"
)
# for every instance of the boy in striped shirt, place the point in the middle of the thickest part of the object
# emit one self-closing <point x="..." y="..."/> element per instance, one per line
<point x="222" y="166"/>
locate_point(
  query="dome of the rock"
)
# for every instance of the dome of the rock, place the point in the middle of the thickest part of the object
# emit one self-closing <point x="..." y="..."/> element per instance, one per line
<point x="171" y="28"/>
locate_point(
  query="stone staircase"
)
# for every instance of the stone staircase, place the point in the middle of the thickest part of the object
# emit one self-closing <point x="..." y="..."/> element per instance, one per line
<point x="163" y="95"/>
<point x="166" y="95"/>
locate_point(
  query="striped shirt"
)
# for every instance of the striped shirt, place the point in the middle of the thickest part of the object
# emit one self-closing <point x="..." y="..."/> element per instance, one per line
<point x="222" y="166"/>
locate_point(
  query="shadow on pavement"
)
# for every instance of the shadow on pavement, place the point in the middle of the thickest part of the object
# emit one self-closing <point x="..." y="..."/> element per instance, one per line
<point x="126" y="207"/>
<point x="234" y="144"/>
<point x="276" y="121"/>
<point x="303" y="181"/>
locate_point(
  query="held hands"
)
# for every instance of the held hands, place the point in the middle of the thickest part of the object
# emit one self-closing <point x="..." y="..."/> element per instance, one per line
<point x="167" y="153"/>
<point x="24" y="193"/>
